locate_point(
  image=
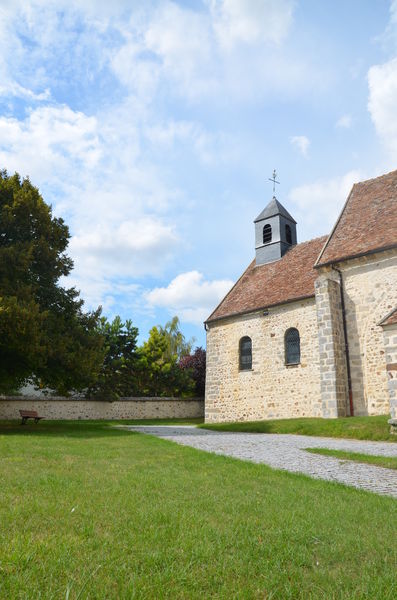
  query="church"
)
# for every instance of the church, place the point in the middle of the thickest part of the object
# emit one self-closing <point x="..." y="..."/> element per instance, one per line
<point x="310" y="329"/>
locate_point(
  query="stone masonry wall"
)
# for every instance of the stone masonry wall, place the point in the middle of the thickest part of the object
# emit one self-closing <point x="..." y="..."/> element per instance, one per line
<point x="370" y="285"/>
<point x="333" y="369"/>
<point x="271" y="389"/>
<point x="125" y="408"/>
<point x="390" y="337"/>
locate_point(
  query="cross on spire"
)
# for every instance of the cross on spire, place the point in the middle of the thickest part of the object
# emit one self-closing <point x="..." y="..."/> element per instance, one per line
<point x="274" y="181"/>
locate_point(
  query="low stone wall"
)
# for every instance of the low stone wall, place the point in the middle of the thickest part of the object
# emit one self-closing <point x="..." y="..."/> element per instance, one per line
<point x="124" y="408"/>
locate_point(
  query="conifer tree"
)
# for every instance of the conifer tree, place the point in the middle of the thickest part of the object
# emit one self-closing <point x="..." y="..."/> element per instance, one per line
<point x="44" y="333"/>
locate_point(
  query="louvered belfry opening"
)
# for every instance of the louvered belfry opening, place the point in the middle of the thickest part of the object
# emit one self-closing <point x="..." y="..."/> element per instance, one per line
<point x="267" y="234"/>
<point x="288" y="234"/>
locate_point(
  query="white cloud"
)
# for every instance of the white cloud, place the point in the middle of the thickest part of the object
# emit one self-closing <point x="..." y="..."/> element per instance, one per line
<point x="301" y="142"/>
<point x="178" y="46"/>
<point x="50" y="140"/>
<point x="382" y="81"/>
<point x="104" y="165"/>
<point x="344" y="122"/>
<point x="129" y="249"/>
<point x="190" y="296"/>
<point x="140" y="73"/>
<point x="251" y="21"/>
<point x="210" y="148"/>
<point x="111" y="295"/>
<point x="318" y="204"/>
<point x="228" y="53"/>
<point x="111" y="198"/>
<point x="12" y="88"/>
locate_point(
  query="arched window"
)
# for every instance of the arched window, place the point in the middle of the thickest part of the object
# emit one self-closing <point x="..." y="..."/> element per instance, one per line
<point x="288" y="234"/>
<point x="292" y="347"/>
<point x="245" y="354"/>
<point x="267" y="234"/>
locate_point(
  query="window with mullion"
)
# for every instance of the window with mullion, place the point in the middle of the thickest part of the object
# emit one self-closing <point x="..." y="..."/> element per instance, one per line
<point x="292" y="347"/>
<point x="245" y="352"/>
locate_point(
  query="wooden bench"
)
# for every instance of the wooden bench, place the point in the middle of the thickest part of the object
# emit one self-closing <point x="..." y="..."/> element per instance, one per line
<point x="29" y="414"/>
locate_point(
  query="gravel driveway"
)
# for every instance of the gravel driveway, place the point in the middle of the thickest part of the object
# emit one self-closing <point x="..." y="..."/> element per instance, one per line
<point x="284" y="451"/>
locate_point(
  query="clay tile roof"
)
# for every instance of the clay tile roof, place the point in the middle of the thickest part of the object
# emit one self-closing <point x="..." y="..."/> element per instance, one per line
<point x="367" y="223"/>
<point x="390" y="319"/>
<point x="290" y="278"/>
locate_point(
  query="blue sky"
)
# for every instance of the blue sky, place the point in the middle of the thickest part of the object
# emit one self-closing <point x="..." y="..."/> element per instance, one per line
<point x="152" y="128"/>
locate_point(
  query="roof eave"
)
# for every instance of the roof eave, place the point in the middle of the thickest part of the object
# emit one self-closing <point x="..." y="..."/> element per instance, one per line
<point x="357" y="255"/>
<point x="254" y="310"/>
<point x="383" y="322"/>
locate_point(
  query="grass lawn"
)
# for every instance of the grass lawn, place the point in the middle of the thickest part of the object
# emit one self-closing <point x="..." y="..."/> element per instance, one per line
<point x="359" y="428"/>
<point x="389" y="462"/>
<point x="87" y="511"/>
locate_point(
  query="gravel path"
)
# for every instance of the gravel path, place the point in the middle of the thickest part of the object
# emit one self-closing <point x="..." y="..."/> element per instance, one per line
<point x="287" y="452"/>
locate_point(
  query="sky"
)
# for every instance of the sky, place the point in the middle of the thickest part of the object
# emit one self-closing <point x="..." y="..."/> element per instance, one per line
<point x="152" y="129"/>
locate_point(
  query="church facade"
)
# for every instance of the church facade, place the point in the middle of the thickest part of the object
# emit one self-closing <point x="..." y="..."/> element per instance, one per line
<point x="310" y="329"/>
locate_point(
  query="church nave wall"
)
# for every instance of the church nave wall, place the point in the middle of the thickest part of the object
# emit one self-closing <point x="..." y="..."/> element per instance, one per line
<point x="271" y="389"/>
<point x="370" y="285"/>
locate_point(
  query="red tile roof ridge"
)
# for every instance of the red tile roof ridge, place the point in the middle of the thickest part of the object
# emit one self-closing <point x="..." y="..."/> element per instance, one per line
<point x="364" y="181"/>
<point x="347" y="240"/>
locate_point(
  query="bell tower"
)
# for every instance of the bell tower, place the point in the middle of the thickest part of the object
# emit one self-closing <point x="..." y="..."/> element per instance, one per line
<point x="275" y="231"/>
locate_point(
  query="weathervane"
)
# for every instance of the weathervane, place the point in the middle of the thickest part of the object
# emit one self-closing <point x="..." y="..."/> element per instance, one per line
<point x="274" y="181"/>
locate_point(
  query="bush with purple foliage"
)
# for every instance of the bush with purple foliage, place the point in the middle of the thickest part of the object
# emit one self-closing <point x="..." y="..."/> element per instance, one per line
<point x="196" y="363"/>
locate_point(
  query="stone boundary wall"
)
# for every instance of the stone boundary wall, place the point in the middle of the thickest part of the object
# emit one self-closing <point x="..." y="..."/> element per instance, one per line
<point x="56" y="407"/>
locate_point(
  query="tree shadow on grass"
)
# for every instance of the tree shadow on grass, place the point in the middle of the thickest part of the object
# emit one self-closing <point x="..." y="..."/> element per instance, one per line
<point x="83" y="428"/>
<point x="71" y="429"/>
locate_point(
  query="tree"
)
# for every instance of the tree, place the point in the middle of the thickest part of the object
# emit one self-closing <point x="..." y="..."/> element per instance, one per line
<point x="160" y="373"/>
<point x="119" y="375"/>
<point x="44" y="333"/>
<point x="196" y="363"/>
<point x="177" y="345"/>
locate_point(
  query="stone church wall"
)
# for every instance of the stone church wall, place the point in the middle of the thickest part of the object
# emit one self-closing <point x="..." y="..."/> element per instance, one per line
<point x="370" y="288"/>
<point x="390" y="337"/>
<point x="333" y="370"/>
<point x="271" y="389"/>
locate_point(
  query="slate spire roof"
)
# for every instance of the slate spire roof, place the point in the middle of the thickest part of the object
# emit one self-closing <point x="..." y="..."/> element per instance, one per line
<point x="274" y="208"/>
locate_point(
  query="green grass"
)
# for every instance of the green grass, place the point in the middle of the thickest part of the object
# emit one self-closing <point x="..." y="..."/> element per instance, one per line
<point x="87" y="511"/>
<point x="197" y="421"/>
<point x="389" y="462"/>
<point x="359" y="428"/>
<point x="87" y="425"/>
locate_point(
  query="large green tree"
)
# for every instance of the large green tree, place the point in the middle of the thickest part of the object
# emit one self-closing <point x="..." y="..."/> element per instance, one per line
<point x="160" y="374"/>
<point x="44" y="333"/>
<point x="120" y="372"/>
